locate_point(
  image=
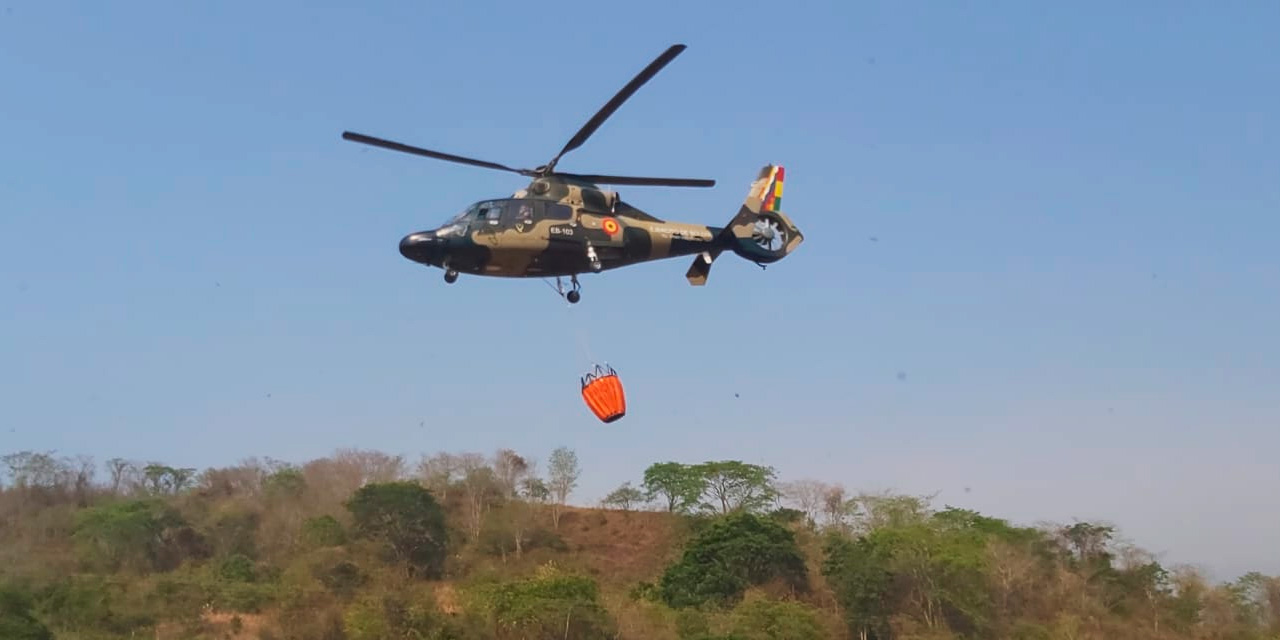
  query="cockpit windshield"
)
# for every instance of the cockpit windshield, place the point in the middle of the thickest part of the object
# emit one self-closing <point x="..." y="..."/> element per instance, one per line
<point x="461" y="216"/>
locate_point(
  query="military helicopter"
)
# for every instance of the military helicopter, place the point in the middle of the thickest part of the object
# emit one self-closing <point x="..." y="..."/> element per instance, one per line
<point x="564" y="224"/>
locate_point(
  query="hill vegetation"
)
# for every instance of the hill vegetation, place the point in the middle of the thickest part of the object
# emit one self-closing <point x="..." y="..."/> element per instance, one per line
<point x="363" y="545"/>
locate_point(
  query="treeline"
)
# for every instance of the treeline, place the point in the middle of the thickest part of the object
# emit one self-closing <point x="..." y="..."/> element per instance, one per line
<point x="362" y="544"/>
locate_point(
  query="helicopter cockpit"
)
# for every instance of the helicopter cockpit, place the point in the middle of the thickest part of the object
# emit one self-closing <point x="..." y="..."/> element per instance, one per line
<point x="504" y="212"/>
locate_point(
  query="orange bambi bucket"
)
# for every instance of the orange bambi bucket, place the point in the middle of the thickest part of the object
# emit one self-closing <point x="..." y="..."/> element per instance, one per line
<point x="602" y="391"/>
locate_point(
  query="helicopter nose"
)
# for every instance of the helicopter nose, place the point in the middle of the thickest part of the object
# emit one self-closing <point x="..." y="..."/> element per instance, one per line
<point x="418" y="246"/>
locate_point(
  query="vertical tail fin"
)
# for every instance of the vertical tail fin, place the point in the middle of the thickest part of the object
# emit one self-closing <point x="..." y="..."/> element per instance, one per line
<point x="760" y="231"/>
<point x="770" y="181"/>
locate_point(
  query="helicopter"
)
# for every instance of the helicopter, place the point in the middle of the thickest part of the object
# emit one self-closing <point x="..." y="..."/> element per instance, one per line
<point x="564" y="224"/>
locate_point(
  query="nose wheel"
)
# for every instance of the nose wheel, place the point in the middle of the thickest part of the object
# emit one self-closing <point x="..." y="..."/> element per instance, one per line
<point x="450" y="276"/>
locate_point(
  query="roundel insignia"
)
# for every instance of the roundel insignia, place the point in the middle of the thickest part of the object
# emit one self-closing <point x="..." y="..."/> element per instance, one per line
<point x="610" y="226"/>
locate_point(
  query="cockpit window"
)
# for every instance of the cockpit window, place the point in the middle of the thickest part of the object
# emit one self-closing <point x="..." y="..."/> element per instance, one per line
<point x="461" y="217"/>
<point x="490" y="211"/>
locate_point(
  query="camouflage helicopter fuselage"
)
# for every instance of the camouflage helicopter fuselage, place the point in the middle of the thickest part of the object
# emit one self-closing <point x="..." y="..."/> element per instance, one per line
<point x="564" y="224"/>
<point x="561" y="227"/>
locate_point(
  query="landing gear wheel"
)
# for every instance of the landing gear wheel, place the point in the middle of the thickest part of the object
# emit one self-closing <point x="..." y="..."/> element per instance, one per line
<point x="573" y="296"/>
<point x="450" y="275"/>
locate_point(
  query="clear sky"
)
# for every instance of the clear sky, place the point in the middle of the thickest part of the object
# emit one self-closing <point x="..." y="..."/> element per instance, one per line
<point x="1041" y="257"/>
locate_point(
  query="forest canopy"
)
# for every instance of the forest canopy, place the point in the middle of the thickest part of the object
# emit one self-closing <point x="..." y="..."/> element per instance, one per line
<point x="363" y="544"/>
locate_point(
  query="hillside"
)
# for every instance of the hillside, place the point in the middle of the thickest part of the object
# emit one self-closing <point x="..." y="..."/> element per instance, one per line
<point x="365" y="545"/>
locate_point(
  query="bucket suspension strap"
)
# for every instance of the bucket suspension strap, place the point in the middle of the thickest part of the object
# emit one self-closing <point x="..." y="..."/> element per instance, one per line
<point x="597" y="373"/>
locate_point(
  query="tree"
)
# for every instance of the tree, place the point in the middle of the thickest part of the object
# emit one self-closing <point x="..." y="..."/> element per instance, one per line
<point x="288" y="483"/>
<point x="509" y="467"/>
<point x="407" y="519"/>
<point x="737" y="485"/>
<point x="142" y="535"/>
<point x="1260" y="596"/>
<point x="807" y="496"/>
<point x="479" y="485"/>
<point x="837" y="507"/>
<point x="367" y="466"/>
<point x="623" y="497"/>
<point x="438" y="472"/>
<point x="535" y="489"/>
<point x="17" y="619"/>
<point x="120" y="470"/>
<point x="29" y="469"/>
<point x="940" y="574"/>
<point x="83" y="473"/>
<point x="681" y="485"/>
<point x="763" y="619"/>
<point x="563" y="475"/>
<point x="1088" y="542"/>
<point x="547" y="605"/>
<point x="530" y="490"/>
<point x="729" y="555"/>
<point x="163" y="479"/>
<point x="858" y="573"/>
<point x="888" y="510"/>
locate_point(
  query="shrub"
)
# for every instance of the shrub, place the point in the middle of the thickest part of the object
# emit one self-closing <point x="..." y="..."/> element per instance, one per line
<point x="729" y="555"/>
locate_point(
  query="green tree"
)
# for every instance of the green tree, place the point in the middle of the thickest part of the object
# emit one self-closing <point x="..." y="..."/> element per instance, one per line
<point x="859" y="575"/>
<point x="776" y="620"/>
<point x="234" y="531"/>
<point x="17" y="620"/>
<point x="935" y="572"/>
<point x="323" y="531"/>
<point x="680" y="485"/>
<point x="286" y="483"/>
<point x="940" y="575"/>
<point x="547" y="605"/>
<point x="623" y="497"/>
<point x="397" y="615"/>
<point x="343" y="579"/>
<point x="406" y="518"/>
<point x="1261" y="595"/>
<point x="736" y="485"/>
<point x="887" y="510"/>
<point x="729" y="555"/>
<point x="142" y="535"/>
<point x="163" y="479"/>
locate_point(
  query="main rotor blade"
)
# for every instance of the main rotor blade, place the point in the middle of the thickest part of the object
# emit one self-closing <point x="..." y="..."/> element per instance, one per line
<point x="656" y="182"/>
<point x="617" y="100"/>
<point x="378" y="142"/>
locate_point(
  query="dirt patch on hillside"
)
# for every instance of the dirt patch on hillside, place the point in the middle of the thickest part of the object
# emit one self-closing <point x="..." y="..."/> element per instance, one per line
<point x="620" y="546"/>
<point x="447" y="599"/>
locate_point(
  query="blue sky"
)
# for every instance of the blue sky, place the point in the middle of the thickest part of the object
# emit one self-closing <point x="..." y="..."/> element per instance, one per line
<point x="1074" y="268"/>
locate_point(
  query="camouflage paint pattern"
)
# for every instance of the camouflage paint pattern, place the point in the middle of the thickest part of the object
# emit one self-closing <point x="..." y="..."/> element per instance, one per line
<point x="561" y="227"/>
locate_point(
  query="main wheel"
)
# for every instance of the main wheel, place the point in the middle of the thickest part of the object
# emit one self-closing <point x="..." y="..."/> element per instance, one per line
<point x="573" y="297"/>
<point x="450" y="275"/>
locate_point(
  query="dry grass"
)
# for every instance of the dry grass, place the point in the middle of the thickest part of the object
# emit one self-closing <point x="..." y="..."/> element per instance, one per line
<point x="621" y="547"/>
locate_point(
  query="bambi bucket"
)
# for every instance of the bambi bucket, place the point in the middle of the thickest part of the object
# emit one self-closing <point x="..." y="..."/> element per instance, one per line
<point x="602" y="391"/>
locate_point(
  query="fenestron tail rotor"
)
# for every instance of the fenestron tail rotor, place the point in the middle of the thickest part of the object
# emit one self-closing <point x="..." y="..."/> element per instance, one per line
<point x="578" y="139"/>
